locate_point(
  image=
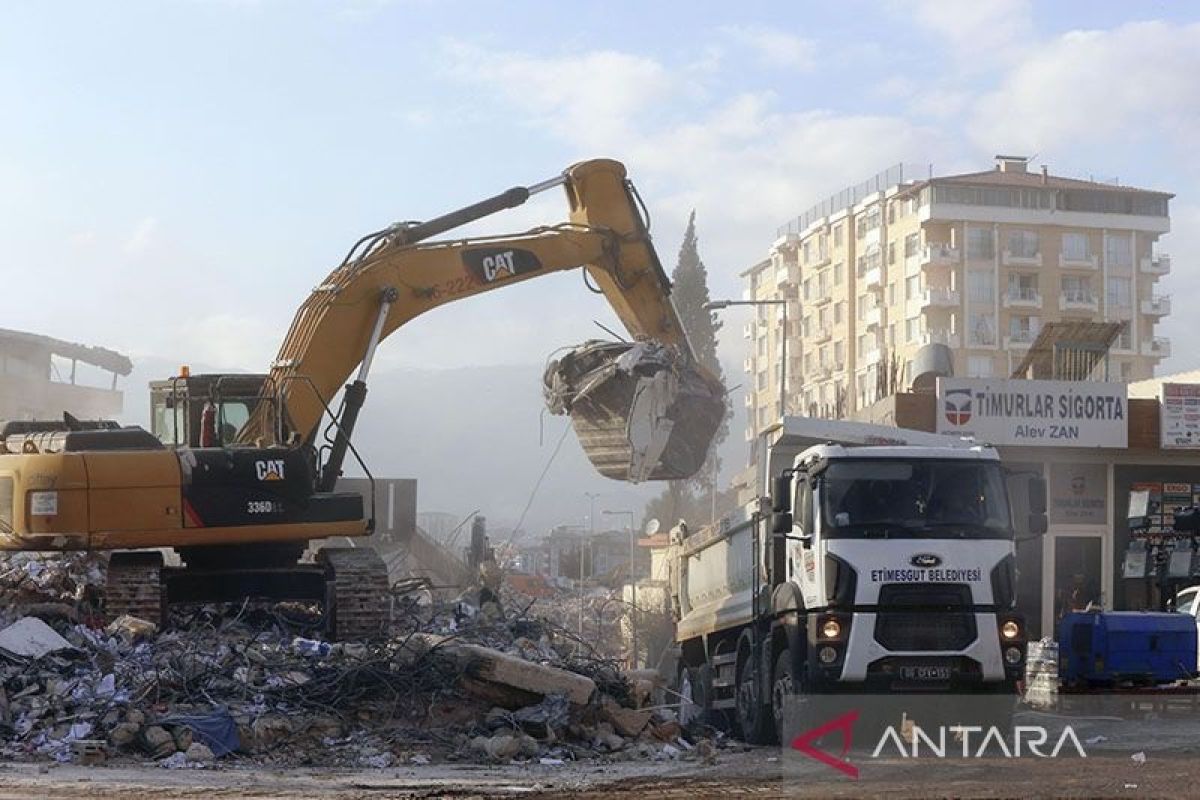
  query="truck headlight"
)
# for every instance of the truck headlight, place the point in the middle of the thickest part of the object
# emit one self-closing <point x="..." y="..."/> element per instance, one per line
<point x="1010" y="630"/>
<point x="827" y="654"/>
<point x="1012" y="655"/>
<point x="831" y="629"/>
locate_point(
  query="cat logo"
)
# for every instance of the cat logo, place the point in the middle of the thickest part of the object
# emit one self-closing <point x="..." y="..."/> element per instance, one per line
<point x="491" y="264"/>
<point x="269" y="469"/>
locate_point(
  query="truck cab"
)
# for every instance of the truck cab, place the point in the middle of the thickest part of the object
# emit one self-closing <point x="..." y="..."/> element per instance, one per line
<point x="903" y="558"/>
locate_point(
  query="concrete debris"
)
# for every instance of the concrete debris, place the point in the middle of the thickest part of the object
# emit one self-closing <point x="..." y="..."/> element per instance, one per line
<point x="257" y="684"/>
<point x="29" y="637"/>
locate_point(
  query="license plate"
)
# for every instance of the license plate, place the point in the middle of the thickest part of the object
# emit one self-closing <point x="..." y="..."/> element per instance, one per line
<point x="925" y="673"/>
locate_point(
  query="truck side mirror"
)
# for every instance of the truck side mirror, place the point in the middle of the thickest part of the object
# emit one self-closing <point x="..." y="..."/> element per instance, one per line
<point x="781" y="522"/>
<point x="781" y="495"/>
<point x="1037" y="524"/>
<point x="1037" y="496"/>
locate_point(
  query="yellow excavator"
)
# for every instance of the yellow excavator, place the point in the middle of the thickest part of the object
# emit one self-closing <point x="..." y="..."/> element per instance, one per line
<point x="238" y="472"/>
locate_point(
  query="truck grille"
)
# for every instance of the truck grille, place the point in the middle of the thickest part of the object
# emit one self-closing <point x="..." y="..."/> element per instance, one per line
<point x="929" y="620"/>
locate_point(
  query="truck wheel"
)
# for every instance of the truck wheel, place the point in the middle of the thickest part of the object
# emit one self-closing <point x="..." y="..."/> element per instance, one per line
<point x="782" y="688"/>
<point x="754" y="723"/>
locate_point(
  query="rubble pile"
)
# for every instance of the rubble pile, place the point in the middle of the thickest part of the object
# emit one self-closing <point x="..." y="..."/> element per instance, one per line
<point x="229" y="684"/>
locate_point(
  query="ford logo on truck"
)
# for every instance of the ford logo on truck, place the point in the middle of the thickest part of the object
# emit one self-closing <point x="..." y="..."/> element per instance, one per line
<point x="925" y="560"/>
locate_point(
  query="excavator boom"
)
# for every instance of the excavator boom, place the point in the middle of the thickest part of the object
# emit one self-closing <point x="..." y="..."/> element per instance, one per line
<point x="398" y="277"/>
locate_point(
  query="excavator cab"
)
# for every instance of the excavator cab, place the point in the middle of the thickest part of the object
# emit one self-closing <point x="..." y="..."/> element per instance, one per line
<point x="203" y="410"/>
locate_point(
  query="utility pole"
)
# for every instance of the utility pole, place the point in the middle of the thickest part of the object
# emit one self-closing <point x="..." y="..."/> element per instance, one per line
<point x="633" y="625"/>
<point x="591" y="496"/>
<point x="717" y="305"/>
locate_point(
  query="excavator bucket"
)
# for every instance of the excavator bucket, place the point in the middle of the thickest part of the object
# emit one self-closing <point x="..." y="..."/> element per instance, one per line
<point x="642" y="411"/>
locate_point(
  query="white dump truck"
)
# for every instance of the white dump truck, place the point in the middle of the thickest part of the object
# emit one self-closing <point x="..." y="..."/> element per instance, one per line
<point x="875" y="559"/>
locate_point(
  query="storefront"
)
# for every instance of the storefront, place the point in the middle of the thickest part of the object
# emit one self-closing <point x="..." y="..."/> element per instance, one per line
<point x="1093" y="443"/>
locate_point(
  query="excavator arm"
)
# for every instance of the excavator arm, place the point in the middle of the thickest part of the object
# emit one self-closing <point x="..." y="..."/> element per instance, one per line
<point x="393" y="276"/>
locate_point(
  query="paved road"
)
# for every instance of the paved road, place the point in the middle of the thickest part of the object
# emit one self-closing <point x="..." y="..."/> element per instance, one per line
<point x="757" y="773"/>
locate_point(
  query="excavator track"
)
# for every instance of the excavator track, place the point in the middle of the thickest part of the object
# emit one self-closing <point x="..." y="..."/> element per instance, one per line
<point x="357" y="592"/>
<point x="135" y="586"/>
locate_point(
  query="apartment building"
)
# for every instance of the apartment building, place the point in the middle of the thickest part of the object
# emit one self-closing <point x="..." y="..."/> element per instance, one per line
<point x="961" y="270"/>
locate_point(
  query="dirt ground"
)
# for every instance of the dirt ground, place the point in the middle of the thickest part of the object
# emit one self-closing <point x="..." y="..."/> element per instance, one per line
<point x="754" y="773"/>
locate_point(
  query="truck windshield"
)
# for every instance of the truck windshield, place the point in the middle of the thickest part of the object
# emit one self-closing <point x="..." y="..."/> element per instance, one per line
<point x="939" y="498"/>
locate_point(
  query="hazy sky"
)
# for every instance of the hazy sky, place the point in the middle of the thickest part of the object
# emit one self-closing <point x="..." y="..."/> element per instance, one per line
<point x="177" y="175"/>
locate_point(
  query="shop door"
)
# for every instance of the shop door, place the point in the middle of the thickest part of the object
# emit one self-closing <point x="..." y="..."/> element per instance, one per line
<point x="1077" y="572"/>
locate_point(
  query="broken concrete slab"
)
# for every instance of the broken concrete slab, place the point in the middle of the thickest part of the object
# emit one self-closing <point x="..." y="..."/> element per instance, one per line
<point x="31" y="638"/>
<point x="494" y="667"/>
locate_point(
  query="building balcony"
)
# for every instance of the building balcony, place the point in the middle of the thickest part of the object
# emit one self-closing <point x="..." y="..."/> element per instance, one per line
<point x="749" y="399"/>
<point x="1158" y="347"/>
<point x="748" y="330"/>
<point x="1157" y="305"/>
<point x="981" y="338"/>
<point x="748" y="364"/>
<point x="1011" y="259"/>
<point x="1157" y="265"/>
<point x="1078" y="301"/>
<point x="940" y="255"/>
<point x="1021" y="340"/>
<point x="873" y="317"/>
<point x="1087" y="262"/>
<point x="822" y="333"/>
<point x="870" y="357"/>
<point x="873" y="278"/>
<point x="823" y="372"/>
<point x="939" y="298"/>
<point x="783" y="276"/>
<point x="1022" y="298"/>
<point x="820" y="300"/>
<point x="951" y="340"/>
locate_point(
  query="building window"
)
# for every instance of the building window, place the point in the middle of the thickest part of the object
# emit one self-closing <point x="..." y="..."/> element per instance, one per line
<point x="1022" y="287"/>
<point x="1023" y="244"/>
<point x="912" y="287"/>
<point x="762" y="380"/>
<point x="981" y="329"/>
<point x="837" y="274"/>
<point x="823" y="316"/>
<point x="868" y="221"/>
<point x="891" y="294"/>
<point x="807" y="285"/>
<point x="1125" y="337"/>
<point x="806" y="325"/>
<point x="1023" y="329"/>
<point x="1077" y="289"/>
<point x="912" y="329"/>
<point x="912" y="244"/>
<point x="837" y="235"/>
<point x="891" y="253"/>
<point x="1120" y="292"/>
<point x="839" y="310"/>
<point x="1118" y="250"/>
<point x="807" y="252"/>
<point x="869" y="262"/>
<point x="980" y="243"/>
<point x="823" y="355"/>
<point x="981" y="287"/>
<point x="823" y="284"/>
<point x="839" y="349"/>
<point x="979" y="367"/>
<point x="862" y="344"/>
<point x="1075" y="247"/>
<point x="891" y="334"/>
